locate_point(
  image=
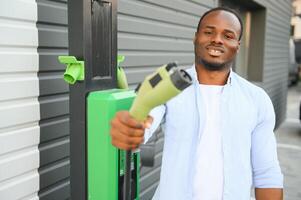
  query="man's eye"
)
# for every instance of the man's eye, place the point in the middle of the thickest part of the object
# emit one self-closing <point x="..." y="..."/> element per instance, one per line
<point x="207" y="32"/>
<point x="229" y="37"/>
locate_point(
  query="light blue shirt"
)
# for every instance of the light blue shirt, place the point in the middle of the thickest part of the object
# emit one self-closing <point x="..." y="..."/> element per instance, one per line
<point x="248" y="141"/>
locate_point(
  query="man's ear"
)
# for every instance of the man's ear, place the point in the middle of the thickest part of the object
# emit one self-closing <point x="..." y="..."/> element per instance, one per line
<point x="238" y="46"/>
<point x="194" y="38"/>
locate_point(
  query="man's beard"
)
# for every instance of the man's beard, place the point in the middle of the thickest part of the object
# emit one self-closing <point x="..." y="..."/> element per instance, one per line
<point x="211" y="66"/>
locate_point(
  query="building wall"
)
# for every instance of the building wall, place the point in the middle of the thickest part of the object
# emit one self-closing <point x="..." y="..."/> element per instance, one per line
<point x="276" y="54"/>
<point x="19" y="106"/>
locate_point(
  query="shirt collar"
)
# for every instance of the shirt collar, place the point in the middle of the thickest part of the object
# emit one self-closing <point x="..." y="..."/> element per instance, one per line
<point x="230" y="77"/>
<point x="195" y="78"/>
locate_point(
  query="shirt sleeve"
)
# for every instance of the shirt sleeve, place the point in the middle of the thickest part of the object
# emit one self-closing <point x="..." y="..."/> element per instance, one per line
<point x="265" y="164"/>
<point x="157" y="113"/>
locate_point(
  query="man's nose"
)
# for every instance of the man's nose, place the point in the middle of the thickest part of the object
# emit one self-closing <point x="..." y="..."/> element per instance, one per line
<point x="217" y="38"/>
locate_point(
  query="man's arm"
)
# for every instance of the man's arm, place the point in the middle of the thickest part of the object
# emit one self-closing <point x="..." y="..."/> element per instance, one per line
<point x="267" y="176"/>
<point x="268" y="194"/>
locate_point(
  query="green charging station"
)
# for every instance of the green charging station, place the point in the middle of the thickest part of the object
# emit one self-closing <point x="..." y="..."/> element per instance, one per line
<point x="96" y="167"/>
<point x="106" y="164"/>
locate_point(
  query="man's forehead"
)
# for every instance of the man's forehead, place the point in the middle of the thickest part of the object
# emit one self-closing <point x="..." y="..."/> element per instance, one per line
<point x="221" y="16"/>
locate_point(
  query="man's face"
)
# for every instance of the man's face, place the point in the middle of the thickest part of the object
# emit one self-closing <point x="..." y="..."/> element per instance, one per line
<point x="217" y="40"/>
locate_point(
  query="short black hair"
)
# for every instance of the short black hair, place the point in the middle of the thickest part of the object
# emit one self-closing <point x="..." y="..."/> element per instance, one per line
<point x="227" y="10"/>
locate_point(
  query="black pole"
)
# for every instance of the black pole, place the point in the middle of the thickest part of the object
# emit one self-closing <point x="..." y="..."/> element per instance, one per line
<point x="127" y="176"/>
<point x="93" y="39"/>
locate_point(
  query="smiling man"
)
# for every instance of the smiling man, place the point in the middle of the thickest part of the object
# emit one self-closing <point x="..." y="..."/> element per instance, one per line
<point x="219" y="139"/>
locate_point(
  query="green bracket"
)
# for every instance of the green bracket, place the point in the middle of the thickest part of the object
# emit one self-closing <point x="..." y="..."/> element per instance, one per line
<point x="75" y="69"/>
<point x="121" y="77"/>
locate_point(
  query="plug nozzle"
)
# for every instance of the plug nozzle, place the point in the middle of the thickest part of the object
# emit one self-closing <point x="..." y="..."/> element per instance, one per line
<point x="159" y="87"/>
<point x="180" y="79"/>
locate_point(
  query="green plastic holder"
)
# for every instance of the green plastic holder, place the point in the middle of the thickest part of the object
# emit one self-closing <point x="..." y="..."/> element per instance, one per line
<point x="121" y="77"/>
<point x="75" y="70"/>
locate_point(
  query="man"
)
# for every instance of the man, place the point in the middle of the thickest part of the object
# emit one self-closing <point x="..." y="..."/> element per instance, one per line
<point x="219" y="139"/>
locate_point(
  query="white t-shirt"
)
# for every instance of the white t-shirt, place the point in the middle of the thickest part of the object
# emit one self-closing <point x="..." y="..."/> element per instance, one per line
<point x="208" y="180"/>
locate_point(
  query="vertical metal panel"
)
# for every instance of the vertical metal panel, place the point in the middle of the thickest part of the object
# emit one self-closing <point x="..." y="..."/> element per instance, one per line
<point x="276" y="56"/>
<point x="85" y="17"/>
<point x="19" y="108"/>
<point x="54" y="101"/>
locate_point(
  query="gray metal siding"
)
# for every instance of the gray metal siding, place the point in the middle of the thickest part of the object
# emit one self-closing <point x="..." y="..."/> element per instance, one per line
<point x="54" y="101"/>
<point x="276" y="55"/>
<point x="152" y="33"/>
<point x="19" y="107"/>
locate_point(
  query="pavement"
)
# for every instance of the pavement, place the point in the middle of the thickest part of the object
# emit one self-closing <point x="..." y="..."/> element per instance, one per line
<point x="288" y="137"/>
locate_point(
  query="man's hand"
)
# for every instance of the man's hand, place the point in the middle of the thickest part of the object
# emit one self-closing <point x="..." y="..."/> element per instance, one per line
<point x="126" y="132"/>
<point x="269" y="194"/>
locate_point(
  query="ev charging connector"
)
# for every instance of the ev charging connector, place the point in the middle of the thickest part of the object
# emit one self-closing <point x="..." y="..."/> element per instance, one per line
<point x="157" y="88"/>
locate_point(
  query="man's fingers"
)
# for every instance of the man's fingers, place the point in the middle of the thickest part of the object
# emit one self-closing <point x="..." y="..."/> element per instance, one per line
<point x="126" y="130"/>
<point x="123" y="142"/>
<point x="126" y="119"/>
<point x="127" y="139"/>
<point x="124" y="146"/>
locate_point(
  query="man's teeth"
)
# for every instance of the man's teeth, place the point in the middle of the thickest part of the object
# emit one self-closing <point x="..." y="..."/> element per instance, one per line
<point x="214" y="51"/>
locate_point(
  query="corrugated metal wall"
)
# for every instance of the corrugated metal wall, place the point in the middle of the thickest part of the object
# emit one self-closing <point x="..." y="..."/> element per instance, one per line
<point x="19" y="106"/>
<point x="54" y="100"/>
<point x="276" y="59"/>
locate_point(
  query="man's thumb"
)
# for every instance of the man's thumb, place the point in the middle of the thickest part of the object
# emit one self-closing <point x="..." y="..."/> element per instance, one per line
<point x="148" y="122"/>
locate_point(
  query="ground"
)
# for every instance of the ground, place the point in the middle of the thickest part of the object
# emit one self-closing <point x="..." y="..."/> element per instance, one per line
<point x="288" y="137"/>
